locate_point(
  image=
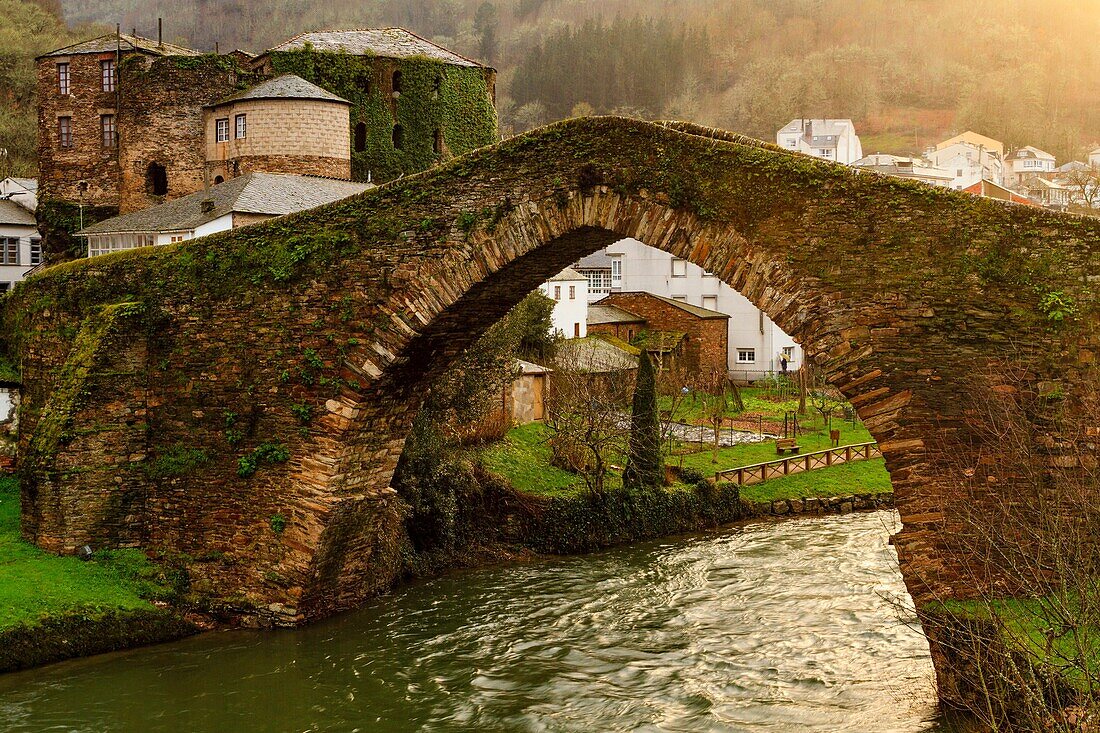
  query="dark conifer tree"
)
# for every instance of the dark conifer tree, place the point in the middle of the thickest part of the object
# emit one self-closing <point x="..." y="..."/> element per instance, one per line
<point x="643" y="467"/>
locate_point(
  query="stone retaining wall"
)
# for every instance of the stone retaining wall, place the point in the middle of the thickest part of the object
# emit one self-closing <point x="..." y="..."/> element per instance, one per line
<point x="825" y="505"/>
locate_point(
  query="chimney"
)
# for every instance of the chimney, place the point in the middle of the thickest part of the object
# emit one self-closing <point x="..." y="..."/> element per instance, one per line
<point x="160" y="31"/>
<point x="207" y="206"/>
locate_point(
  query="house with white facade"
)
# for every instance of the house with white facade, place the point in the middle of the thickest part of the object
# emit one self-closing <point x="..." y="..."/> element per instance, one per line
<point x="1048" y="194"/>
<point x="915" y="169"/>
<point x="968" y="163"/>
<point x="569" y="291"/>
<point x="1094" y="158"/>
<point x="756" y="345"/>
<point x="1026" y="162"/>
<point x="834" y="140"/>
<point x="246" y="199"/>
<point x="20" y="243"/>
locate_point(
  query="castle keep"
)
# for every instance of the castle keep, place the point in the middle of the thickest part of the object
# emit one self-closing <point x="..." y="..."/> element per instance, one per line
<point x="126" y="122"/>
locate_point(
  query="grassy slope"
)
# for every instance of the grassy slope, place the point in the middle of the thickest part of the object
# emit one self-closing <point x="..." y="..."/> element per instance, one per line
<point x="35" y="585"/>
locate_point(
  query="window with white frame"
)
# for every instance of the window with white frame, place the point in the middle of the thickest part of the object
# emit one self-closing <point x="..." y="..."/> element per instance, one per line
<point x="63" y="78"/>
<point x="5" y="287"/>
<point x="221" y="130"/>
<point x="788" y="351"/>
<point x="826" y="152"/>
<point x="681" y="298"/>
<point x="679" y="267"/>
<point x="241" y="123"/>
<point x="710" y="302"/>
<point x="746" y="356"/>
<point x="107" y="73"/>
<point x="101" y="244"/>
<point x="36" y="251"/>
<point x="599" y="281"/>
<point x="9" y="250"/>
<point x="616" y="272"/>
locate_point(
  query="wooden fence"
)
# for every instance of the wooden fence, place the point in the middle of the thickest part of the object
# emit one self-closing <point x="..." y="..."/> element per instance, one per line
<point x="760" y="472"/>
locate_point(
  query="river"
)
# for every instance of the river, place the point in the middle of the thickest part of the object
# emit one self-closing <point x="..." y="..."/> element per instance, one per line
<point x="786" y="626"/>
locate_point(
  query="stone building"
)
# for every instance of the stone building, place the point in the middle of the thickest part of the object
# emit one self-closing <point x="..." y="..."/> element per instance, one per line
<point x="281" y="125"/>
<point x="413" y="103"/>
<point x="698" y="337"/>
<point x="120" y="124"/>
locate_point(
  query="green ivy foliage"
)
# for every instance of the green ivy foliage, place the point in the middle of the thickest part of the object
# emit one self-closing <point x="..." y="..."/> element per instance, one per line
<point x="454" y="100"/>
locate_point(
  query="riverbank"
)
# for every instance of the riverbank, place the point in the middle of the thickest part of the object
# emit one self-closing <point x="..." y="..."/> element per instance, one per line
<point x="54" y="608"/>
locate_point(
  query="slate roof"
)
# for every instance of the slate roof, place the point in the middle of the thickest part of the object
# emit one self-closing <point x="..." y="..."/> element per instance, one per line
<point x="1029" y="151"/>
<point x="694" y="310"/>
<point x="30" y="184"/>
<point x="395" y="43"/>
<point x="603" y="314"/>
<point x="594" y="355"/>
<point x="820" y="132"/>
<point x="252" y="193"/>
<point x="568" y="275"/>
<point x="596" y="261"/>
<point x="527" y="367"/>
<point x="13" y="213"/>
<point x="287" y="86"/>
<point x="124" y="43"/>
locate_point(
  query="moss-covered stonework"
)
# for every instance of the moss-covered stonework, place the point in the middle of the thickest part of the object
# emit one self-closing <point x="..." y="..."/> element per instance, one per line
<point x="905" y="295"/>
<point x="444" y="110"/>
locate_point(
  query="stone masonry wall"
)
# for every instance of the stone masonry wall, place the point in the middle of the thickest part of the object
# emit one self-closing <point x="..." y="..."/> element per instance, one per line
<point x="707" y="349"/>
<point x="280" y="365"/>
<point x="283" y="136"/>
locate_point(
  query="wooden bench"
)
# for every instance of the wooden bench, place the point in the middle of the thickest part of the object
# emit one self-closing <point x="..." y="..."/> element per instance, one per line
<point x="784" y="445"/>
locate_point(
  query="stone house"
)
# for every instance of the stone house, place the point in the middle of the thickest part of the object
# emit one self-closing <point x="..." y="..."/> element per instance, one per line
<point x="616" y="322"/>
<point x="525" y="397"/>
<point x="281" y="125"/>
<point x="243" y="200"/>
<point x="698" y="338"/>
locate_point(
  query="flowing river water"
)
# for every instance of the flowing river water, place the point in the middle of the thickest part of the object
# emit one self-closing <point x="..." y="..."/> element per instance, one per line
<point x="784" y="626"/>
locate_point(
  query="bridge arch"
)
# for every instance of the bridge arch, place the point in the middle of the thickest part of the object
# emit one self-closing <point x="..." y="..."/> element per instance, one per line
<point x="320" y="333"/>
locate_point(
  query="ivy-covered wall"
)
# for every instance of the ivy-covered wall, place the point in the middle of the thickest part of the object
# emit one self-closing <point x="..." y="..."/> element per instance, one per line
<point x="443" y="110"/>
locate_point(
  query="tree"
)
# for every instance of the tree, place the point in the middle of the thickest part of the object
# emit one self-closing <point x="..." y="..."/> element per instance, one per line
<point x="644" y="469"/>
<point x="826" y="401"/>
<point x="486" y="22"/>
<point x="1084" y="185"/>
<point x="720" y="399"/>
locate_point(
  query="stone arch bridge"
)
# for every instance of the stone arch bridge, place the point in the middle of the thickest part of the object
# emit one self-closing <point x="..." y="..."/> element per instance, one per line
<point x="162" y="386"/>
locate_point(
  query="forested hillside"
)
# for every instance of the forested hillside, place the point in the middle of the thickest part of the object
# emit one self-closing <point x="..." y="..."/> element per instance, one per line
<point x="907" y="71"/>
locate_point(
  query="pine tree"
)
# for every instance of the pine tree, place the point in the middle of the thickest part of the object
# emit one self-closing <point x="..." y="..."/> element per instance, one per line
<point x="643" y="467"/>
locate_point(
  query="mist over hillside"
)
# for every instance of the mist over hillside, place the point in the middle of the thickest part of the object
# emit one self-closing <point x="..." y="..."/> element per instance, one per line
<point x="908" y="73"/>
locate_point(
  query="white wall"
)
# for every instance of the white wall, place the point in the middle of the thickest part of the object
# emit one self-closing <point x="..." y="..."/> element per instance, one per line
<point x="968" y="164"/>
<point x="12" y="274"/>
<point x="570" y="316"/>
<point x="651" y="270"/>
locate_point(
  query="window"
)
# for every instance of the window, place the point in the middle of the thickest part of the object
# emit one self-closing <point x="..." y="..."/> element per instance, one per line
<point x="107" y="73"/>
<point x="175" y="238"/>
<point x="958" y="172"/>
<point x="788" y="351"/>
<point x="557" y="292"/>
<point x="108" y="130"/>
<point x="9" y="250"/>
<point x="5" y="287"/>
<point x="710" y="302"/>
<point x="792" y="143"/>
<point x="156" y="179"/>
<point x="241" y="126"/>
<point x="36" y="251"/>
<point x="746" y="356"/>
<point x="679" y="268"/>
<point x="576" y="330"/>
<point x="826" y="152"/>
<point x="681" y="298"/>
<point x="65" y="132"/>
<point x="397" y="82"/>
<point x="572" y="292"/>
<point x="616" y="272"/>
<point x="599" y="281"/>
<point x="63" y="78"/>
<point x="398" y="137"/>
<point x="101" y="244"/>
<point x="361" y="137"/>
<point x="221" y="130"/>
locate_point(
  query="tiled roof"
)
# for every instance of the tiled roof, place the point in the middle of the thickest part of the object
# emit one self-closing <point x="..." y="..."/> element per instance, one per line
<point x="568" y="274"/>
<point x="13" y="213"/>
<point x="287" y="86"/>
<point x="601" y="314"/>
<point x="252" y="193"/>
<point x="123" y="42"/>
<point x="396" y="43"/>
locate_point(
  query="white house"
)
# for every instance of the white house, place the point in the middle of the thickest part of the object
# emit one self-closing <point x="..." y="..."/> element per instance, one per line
<point x="243" y="200"/>
<point x="1026" y="162"/>
<point x="20" y="243"/>
<point x="968" y="163"/>
<point x="829" y="139"/>
<point x="1094" y="158"/>
<point x="569" y="291"/>
<point x="915" y="169"/>
<point x="755" y="343"/>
